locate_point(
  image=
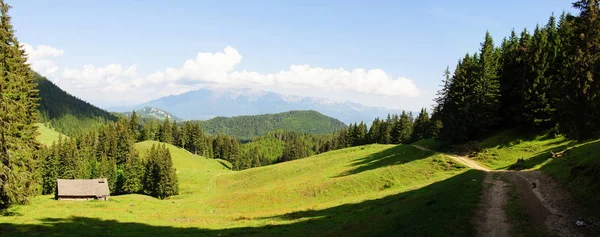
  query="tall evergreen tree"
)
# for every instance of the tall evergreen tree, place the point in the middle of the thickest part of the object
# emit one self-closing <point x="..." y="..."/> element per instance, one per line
<point x="579" y="108"/>
<point x="166" y="132"/>
<point x="134" y="127"/>
<point x="18" y="115"/>
<point x="510" y="81"/>
<point x="537" y="110"/>
<point x="422" y="126"/>
<point x="486" y="89"/>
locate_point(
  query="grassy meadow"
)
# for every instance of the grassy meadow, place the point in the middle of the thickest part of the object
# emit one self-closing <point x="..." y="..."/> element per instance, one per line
<point x="366" y="190"/>
<point x="47" y="135"/>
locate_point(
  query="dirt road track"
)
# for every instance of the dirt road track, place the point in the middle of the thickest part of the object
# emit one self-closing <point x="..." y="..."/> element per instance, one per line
<point x="550" y="208"/>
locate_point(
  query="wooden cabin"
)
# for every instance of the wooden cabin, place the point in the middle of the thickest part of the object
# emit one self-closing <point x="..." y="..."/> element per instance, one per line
<point x="82" y="189"/>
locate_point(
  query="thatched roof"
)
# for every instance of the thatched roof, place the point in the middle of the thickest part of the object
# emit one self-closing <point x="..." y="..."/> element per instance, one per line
<point x="82" y="187"/>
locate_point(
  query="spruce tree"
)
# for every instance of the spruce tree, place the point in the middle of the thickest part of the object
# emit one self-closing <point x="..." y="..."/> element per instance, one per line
<point x="536" y="99"/>
<point x="579" y="109"/>
<point x="134" y="126"/>
<point x="510" y="81"/>
<point x="18" y="115"/>
<point x="166" y="132"/>
<point x="176" y="134"/>
<point x="486" y="88"/>
<point x="421" y="128"/>
<point x="456" y="119"/>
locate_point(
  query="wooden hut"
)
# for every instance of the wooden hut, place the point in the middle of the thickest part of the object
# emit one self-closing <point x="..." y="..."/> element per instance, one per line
<point x="82" y="189"/>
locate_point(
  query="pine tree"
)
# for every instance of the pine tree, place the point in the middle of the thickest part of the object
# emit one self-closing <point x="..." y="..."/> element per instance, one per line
<point x="580" y="108"/>
<point x="421" y="127"/>
<point x="169" y="176"/>
<point x="406" y="127"/>
<point x="536" y="100"/>
<point x="50" y="168"/>
<point x="160" y="178"/>
<point x="134" y="127"/>
<point x="374" y="131"/>
<point x="511" y="81"/>
<point x="176" y="134"/>
<point x="456" y="120"/>
<point x="166" y="132"/>
<point x="486" y="89"/>
<point x="18" y="115"/>
<point x="133" y="174"/>
<point x="107" y="168"/>
<point x="362" y="133"/>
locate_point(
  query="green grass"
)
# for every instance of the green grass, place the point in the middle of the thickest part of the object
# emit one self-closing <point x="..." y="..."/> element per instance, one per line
<point x="431" y="143"/>
<point x="375" y="190"/>
<point x="47" y="135"/>
<point x="503" y="150"/>
<point x="579" y="171"/>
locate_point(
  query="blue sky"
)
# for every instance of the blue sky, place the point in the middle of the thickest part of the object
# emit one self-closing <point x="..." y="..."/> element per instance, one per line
<point x="410" y="42"/>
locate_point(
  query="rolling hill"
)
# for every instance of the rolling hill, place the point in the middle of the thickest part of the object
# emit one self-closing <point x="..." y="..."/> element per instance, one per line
<point x="66" y="113"/>
<point x="249" y="127"/>
<point x="374" y="190"/>
<point x="205" y="104"/>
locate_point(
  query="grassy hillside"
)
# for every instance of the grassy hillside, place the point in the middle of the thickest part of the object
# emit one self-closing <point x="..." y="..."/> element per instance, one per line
<point x="249" y="127"/>
<point x="374" y="190"/>
<point x="47" y="135"/>
<point x="66" y="113"/>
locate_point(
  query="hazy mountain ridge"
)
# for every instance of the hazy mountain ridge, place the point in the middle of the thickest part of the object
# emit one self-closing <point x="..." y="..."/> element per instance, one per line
<point x="206" y="103"/>
<point x="153" y="113"/>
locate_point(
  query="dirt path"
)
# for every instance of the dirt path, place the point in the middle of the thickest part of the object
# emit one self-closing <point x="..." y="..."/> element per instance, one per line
<point x="549" y="207"/>
<point x="490" y="219"/>
<point x="463" y="160"/>
<point x="556" y="210"/>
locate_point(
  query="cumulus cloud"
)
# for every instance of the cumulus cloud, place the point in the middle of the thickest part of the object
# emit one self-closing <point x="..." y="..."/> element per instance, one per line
<point x="116" y="82"/>
<point x="40" y="57"/>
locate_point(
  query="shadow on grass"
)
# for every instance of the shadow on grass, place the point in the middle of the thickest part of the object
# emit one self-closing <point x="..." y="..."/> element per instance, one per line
<point x="434" y="210"/>
<point x="579" y="171"/>
<point x="508" y="138"/>
<point x="400" y="154"/>
<point x="540" y="158"/>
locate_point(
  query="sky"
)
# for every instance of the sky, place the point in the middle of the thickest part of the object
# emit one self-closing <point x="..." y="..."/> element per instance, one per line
<point x="377" y="53"/>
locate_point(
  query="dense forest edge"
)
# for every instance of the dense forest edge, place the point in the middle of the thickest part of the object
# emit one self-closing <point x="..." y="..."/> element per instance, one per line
<point x="66" y="113"/>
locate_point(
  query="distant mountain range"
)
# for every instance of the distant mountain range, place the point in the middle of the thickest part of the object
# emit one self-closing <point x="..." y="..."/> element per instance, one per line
<point x="153" y="113"/>
<point x="206" y="103"/>
<point x="249" y="127"/>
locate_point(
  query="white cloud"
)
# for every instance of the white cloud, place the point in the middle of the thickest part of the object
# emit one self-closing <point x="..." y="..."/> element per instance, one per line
<point x="115" y="83"/>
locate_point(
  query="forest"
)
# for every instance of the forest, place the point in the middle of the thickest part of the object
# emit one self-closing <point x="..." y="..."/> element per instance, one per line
<point x="246" y="128"/>
<point x="545" y="80"/>
<point x="66" y="113"/>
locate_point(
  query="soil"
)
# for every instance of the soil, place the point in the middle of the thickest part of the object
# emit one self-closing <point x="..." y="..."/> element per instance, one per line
<point x="490" y="219"/>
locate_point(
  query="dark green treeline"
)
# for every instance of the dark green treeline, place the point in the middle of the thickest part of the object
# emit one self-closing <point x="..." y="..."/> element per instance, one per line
<point x="535" y="81"/>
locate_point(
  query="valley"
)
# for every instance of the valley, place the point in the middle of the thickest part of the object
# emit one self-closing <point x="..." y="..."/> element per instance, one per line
<point x="275" y="146"/>
<point x="284" y="198"/>
<point x="390" y="183"/>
